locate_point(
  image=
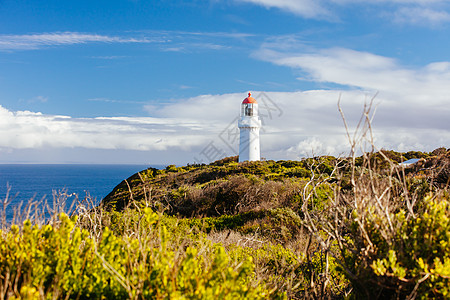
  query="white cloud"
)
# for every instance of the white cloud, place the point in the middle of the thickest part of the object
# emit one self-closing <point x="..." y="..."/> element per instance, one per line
<point x="421" y="12"/>
<point x="368" y="71"/>
<point x="24" y="129"/>
<point x="421" y="2"/>
<point x="310" y="121"/>
<point x="421" y="15"/>
<point x="412" y="103"/>
<point x="304" y="8"/>
<point x="107" y="100"/>
<point x="300" y="124"/>
<point x="37" y="99"/>
<point x="39" y="40"/>
<point x="307" y="147"/>
<point x="175" y="41"/>
<point x="211" y="108"/>
<point x="110" y="57"/>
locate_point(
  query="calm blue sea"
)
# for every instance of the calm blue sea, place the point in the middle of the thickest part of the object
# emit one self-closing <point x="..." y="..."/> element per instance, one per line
<point x="38" y="181"/>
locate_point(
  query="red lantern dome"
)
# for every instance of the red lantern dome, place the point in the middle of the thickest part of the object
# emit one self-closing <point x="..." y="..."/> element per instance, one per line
<point x="249" y="99"/>
<point x="249" y="106"/>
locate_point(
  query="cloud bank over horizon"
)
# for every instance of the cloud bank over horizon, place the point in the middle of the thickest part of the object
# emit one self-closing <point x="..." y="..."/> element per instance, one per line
<point x="302" y="124"/>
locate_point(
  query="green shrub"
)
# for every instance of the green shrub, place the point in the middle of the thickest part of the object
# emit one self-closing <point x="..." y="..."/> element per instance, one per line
<point x="171" y="168"/>
<point x="62" y="261"/>
<point x="418" y="260"/>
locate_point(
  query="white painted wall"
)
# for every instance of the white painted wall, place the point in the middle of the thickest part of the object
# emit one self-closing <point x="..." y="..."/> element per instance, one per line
<point x="249" y="144"/>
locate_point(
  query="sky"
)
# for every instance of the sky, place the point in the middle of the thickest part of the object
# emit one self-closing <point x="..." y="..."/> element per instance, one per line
<point x="161" y="82"/>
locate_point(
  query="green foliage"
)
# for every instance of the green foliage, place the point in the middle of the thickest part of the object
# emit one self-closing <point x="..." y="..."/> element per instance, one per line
<point x="390" y="252"/>
<point x="316" y="228"/>
<point x="298" y="172"/>
<point x="179" y="193"/>
<point x="223" y="187"/>
<point x="223" y="222"/>
<point x="284" y="224"/>
<point x="149" y="173"/>
<point x="415" y="154"/>
<point x="171" y="168"/>
<point x="419" y="257"/>
<point x="52" y="260"/>
<point x="226" y="161"/>
<point x="281" y="266"/>
<point x="320" y="267"/>
<point x="62" y="261"/>
<point x="281" y="224"/>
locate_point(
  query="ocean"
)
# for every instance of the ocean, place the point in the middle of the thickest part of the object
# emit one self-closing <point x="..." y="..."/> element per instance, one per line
<point x="34" y="181"/>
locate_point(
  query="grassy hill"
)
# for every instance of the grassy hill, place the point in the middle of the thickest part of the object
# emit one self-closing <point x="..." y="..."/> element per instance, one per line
<point x="324" y="227"/>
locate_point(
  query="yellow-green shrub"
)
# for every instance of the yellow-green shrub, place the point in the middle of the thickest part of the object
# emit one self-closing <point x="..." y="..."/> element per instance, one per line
<point x="60" y="260"/>
<point x="418" y="261"/>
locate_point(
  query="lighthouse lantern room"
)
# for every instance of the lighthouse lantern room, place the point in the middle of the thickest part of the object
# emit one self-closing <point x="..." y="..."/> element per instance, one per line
<point x="249" y="125"/>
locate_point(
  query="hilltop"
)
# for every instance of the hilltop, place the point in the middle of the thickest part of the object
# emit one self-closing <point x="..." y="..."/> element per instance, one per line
<point x="228" y="187"/>
<point x="222" y="187"/>
<point x="297" y="204"/>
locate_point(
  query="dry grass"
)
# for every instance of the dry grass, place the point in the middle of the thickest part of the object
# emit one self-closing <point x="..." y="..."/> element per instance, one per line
<point x="231" y="237"/>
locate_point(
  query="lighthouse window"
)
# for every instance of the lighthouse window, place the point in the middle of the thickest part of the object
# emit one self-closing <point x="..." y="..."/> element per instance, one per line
<point x="249" y="110"/>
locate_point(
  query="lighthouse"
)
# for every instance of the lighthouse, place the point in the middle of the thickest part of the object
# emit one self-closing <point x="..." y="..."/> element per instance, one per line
<point x="249" y="125"/>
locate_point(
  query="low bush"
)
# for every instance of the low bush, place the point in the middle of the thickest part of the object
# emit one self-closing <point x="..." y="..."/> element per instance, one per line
<point x="63" y="261"/>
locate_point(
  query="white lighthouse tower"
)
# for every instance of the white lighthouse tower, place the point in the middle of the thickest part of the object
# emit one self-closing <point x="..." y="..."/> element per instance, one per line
<point x="249" y="125"/>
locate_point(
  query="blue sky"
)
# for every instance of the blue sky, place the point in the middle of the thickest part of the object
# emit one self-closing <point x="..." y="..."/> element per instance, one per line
<point x="160" y="82"/>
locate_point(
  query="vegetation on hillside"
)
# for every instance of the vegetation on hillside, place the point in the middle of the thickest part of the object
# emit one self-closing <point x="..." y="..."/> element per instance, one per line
<point x="324" y="227"/>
